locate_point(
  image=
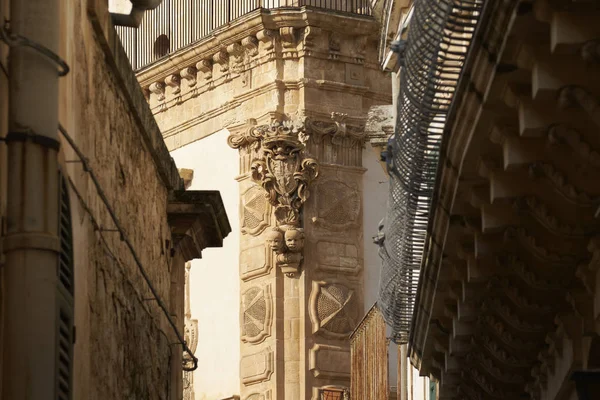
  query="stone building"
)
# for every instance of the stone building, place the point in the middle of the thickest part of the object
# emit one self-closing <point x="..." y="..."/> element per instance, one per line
<point x="507" y="303"/>
<point x="273" y="98"/>
<point x="96" y="223"/>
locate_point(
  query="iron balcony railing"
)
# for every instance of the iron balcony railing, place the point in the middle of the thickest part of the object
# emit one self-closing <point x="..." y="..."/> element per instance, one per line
<point x="175" y="24"/>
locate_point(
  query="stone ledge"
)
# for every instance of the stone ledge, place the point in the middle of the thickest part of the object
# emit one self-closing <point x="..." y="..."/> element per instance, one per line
<point x="198" y="220"/>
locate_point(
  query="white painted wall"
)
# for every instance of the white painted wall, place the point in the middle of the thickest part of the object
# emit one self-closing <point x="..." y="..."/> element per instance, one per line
<point x="214" y="279"/>
<point x="375" y="195"/>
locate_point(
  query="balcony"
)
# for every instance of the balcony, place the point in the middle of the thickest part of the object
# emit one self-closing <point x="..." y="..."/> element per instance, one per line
<point x="176" y="24"/>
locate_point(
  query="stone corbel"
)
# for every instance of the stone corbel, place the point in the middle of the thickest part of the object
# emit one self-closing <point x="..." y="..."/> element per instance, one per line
<point x="266" y="39"/>
<point x="174" y="83"/>
<point x="222" y="58"/>
<point x="205" y="67"/>
<point x="250" y="43"/>
<point x="575" y="95"/>
<point x="311" y="34"/>
<point x="334" y="46"/>
<point x="361" y="48"/>
<point x="198" y="220"/>
<point x="288" y="41"/>
<point x="190" y="75"/>
<point x="236" y="54"/>
<point x="158" y="90"/>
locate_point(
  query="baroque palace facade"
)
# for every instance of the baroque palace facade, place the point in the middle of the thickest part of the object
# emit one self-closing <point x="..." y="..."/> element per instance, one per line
<point x="272" y="101"/>
<point x="507" y="301"/>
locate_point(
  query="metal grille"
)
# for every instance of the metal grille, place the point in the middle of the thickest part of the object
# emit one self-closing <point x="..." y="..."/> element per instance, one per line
<point x="438" y="39"/>
<point x="175" y="24"/>
<point x="64" y="321"/>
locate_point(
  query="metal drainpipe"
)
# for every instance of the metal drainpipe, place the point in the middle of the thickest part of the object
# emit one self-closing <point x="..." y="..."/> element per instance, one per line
<point x="31" y="243"/>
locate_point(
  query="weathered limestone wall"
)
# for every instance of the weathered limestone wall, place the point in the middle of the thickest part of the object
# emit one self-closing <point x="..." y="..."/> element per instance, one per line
<point x="124" y="346"/>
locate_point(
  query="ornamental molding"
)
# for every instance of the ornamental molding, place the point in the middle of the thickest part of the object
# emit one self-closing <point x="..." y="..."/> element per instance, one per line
<point x="499" y="353"/>
<point x="540" y="212"/>
<point x="498" y="328"/>
<point x="564" y="134"/>
<point x="338" y="129"/>
<point x="528" y="276"/>
<point x="333" y="309"/>
<point x="529" y="242"/>
<point x="514" y="295"/>
<point x="488" y="364"/>
<point x="561" y="184"/>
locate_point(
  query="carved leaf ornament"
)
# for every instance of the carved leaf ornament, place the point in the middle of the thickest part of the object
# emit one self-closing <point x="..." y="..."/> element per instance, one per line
<point x="282" y="169"/>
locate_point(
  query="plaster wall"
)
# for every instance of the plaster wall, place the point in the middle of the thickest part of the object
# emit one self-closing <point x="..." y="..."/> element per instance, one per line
<point x="214" y="279"/>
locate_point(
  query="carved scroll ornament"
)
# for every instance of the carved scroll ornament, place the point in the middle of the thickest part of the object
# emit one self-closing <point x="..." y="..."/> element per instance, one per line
<point x="284" y="171"/>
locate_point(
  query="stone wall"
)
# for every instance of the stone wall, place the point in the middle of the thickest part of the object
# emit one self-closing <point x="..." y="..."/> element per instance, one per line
<point x="124" y="345"/>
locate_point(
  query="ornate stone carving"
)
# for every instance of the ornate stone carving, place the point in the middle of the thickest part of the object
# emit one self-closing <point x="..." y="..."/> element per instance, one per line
<point x="334" y="45"/>
<point x="158" y="89"/>
<point x="190" y="336"/>
<point x="561" y="184"/>
<point x="236" y="52"/>
<point x="340" y="132"/>
<point x="528" y="276"/>
<point x="310" y="34"/>
<point x="255" y="211"/>
<point x="529" y="242"/>
<point x="540" y="212"/>
<point x="339" y="205"/>
<point x="489" y="365"/>
<point x="260" y="396"/>
<point x="190" y="75"/>
<point x="287" y="242"/>
<point x="333" y="309"/>
<point x="267" y="39"/>
<point x="288" y="37"/>
<point x="283" y="170"/>
<point x="562" y="133"/>
<point x="205" y="67"/>
<point x="257" y="317"/>
<point x="174" y="82"/>
<point x="250" y="43"/>
<point x="499" y="353"/>
<point x="222" y="58"/>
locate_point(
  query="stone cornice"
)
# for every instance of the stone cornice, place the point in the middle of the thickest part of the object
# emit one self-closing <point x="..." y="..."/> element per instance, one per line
<point x="253" y="24"/>
<point x="237" y="101"/>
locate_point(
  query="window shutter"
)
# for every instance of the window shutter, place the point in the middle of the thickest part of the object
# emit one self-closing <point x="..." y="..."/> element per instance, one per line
<point x="65" y="314"/>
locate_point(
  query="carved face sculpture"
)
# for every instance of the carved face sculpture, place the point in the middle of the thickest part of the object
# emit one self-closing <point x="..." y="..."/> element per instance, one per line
<point x="275" y="239"/>
<point x="294" y="239"/>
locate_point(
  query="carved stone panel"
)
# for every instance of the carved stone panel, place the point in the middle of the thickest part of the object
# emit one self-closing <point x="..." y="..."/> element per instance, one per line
<point x="255" y="211"/>
<point x="338" y="257"/>
<point x="255" y="262"/>
<point x="257" y="317"/>
<point x="339" y="205"/>
<point x="256" y="368"/>
<point x="333" y="309"/>
<point x="260" y="396"/>
<point x="330" y="362"/>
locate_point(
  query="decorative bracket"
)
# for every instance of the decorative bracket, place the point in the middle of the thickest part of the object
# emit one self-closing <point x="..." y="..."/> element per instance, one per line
<point x="284" y="172"/>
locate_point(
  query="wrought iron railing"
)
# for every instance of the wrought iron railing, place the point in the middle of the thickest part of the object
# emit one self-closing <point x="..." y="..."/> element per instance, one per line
<point x="175" y="24"/>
